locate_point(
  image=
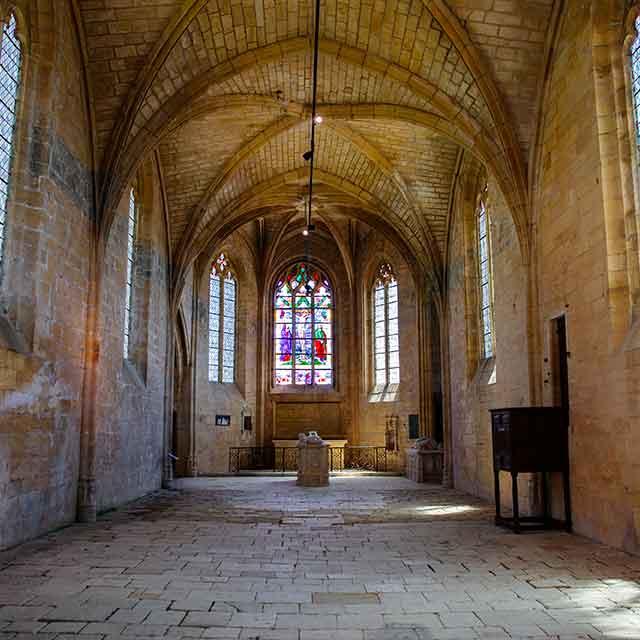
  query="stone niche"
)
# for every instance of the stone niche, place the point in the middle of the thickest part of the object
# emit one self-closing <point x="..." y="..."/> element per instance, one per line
<point x="292" y="418"/>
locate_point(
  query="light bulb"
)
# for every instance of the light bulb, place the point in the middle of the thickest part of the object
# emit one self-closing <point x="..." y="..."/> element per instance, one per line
<point x="318" y="119"/>
<point x="305" y="232"/>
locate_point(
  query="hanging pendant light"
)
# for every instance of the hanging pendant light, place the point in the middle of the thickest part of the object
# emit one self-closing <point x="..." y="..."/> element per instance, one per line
<point x="316" y="119"/>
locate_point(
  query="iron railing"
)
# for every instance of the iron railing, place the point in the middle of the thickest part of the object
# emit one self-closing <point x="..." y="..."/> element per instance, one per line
<point x="281" y="459"/>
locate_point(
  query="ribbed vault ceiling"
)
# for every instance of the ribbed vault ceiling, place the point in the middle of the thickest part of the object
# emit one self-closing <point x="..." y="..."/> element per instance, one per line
<point x="222" y="90"/>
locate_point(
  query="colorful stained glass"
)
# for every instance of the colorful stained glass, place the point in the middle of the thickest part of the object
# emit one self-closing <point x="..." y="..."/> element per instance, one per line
<point x="222" y="321"/>
<point x="303" y="329"/>
<point x="386" y="331"/>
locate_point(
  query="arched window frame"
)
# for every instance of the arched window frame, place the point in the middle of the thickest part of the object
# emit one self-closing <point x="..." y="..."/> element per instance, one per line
<point x="630" y="164"/>
<point x="385" y="322"/>
<point x="13" y="62"/>
<point x="223" y="324"/>
<point x="632" y="46"/>
<point x="486" y="317"/>
<point x="320" y="377"/>
<point x="133" y="215"/>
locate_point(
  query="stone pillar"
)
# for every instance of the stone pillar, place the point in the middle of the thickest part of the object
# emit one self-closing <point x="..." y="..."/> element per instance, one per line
<point x="313" y="461"/>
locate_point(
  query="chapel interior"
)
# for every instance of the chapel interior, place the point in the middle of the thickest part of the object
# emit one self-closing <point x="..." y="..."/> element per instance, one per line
<point x="224" y="223"/>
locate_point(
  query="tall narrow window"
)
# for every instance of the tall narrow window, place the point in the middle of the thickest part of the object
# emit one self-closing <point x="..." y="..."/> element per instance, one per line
<point x="132" y="229"/>
<point x="10" y="68"/>
<point x="635" y="80"/>
<point x="303" y="327"/>
<point x="485" y="277"/>
<point x="386" y="333"/>
<point x="222" y="321"/>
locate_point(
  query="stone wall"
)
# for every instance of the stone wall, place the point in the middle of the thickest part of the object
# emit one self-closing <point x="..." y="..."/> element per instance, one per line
<point x="45" y="279"/>
<point x="375" y="408"/>
<point x="574" y="227"/>
<point x="479" y="385"/>
<point x="238" y="399"/>
<point x="130" y="393"/>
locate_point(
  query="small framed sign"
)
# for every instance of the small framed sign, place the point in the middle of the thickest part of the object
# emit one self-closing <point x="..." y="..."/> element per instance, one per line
<point x="248" y="424"/>
<point x="222" y="420"/>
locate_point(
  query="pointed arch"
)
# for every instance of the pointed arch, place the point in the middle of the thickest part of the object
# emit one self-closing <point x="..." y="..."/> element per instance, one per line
<point x="385" y="324"/>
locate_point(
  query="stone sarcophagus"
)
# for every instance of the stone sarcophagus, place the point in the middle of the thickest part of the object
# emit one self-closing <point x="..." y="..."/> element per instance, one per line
<point x="424" y="461"/>
<point x="313" y="461"/>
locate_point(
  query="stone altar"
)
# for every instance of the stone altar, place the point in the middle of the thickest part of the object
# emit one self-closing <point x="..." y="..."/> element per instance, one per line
<point x="313" y="461"/>
<point x="424" y="461"/>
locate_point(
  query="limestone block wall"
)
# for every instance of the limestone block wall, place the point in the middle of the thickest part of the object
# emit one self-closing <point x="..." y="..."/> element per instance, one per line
<point x="375" y="408"/>
<point x="477" y="385"/>
<point x="130" y="395"/>
<point x="238" y="399"/>
<point x="44" y="283"/>
<point x="571" y="245"/>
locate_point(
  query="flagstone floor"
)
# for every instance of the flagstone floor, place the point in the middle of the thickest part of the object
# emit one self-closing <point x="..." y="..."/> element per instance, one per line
<point x="369" y="558"/>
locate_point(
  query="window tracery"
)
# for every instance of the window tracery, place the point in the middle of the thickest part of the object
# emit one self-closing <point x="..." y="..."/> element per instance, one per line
<point x="386" y="332"/>
<point x="303" y="327"/>
<point x="222" y="321"/>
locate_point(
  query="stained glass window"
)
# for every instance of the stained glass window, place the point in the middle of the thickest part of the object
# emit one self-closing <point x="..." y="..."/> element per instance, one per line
<point x="303" y="327"/>
<point x="635" y="80"/>
<point x="386" y="333"/>
<point x="132" y="228"/>
<point x="222" y="321"/>
<point x="485" y="278"/>
<point x="10" y="67"/>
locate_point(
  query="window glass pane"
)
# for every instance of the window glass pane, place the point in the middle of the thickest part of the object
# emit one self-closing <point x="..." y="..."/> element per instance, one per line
<point x="323" y="377"/>
<point x="283" y="377"/>
<point x="303" y="327"/>
<point x="635" y="78"/>
<point x="385" y="329"/>
<point x="132" y="224"/>
<point x="394" y="376"/>
<point x="222" y="321"/>
<point x="485" y="280"/>
<point x="10" y="68"/>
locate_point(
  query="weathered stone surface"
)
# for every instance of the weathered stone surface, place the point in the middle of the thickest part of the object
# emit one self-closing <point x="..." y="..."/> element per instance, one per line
<point x="400" y="561"/>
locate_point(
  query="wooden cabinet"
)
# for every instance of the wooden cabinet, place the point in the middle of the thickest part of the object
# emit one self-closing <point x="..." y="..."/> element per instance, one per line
<point x="531" y="440"/>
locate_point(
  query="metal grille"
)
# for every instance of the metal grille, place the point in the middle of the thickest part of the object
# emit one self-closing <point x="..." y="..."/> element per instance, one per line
<point x="131" y="239"/>
<point x="281" y="459"/>
<point x="10" y="66"/>
<point x="485" y="280"/>
<point x="635" y="80"/>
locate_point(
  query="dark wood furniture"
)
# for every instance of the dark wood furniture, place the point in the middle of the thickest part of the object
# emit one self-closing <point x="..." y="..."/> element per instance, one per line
<point x="531" y="440"/>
